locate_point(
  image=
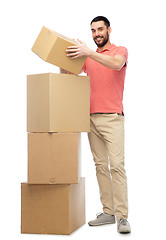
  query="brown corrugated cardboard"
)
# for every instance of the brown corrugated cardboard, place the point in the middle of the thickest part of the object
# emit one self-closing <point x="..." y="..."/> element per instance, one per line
<point x="51" y="47"/>
<point x="52" y="209"/>
<point x="58" y="103"/>
<point x="54" y="158"/>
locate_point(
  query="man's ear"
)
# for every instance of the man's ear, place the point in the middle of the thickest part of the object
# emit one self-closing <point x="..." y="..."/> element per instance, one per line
<point x="109" y="30"/>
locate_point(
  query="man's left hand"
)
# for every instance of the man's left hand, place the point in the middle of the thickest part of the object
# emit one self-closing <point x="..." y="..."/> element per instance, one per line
<point x="78" y="51"/>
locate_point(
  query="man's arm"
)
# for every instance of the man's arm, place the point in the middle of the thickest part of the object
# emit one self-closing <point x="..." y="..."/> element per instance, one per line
<point x="115" y="63"/>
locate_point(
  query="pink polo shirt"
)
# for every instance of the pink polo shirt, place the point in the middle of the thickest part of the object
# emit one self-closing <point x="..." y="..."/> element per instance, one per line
<point x="106" y="85"/>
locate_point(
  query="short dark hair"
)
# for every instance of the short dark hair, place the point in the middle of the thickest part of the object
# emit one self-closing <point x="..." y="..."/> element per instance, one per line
<point x="101" y="18"/>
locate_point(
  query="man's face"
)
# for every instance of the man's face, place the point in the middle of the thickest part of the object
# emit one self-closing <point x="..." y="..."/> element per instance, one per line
<point x="100" y="33"/>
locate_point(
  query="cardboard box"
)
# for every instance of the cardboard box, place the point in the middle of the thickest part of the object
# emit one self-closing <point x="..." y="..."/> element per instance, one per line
<point x="51" y="47"/>
<point x="54" y="158"/>
<point x="58" y="103"/>
<point x="52" y="209"/>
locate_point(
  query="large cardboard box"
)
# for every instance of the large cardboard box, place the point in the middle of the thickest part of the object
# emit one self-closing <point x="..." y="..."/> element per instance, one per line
<point x="54" y="158"/>
<point x="58" y="103"/>
<point x="52" y="209"/>
<point x="51" y="47"/>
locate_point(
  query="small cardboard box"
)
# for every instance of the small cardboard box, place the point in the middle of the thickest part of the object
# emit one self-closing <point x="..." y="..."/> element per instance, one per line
<point x="54" y="158"/>
<point x="58" y="103"/>
<point x="51" y="47"/>
<point x="52" y="209"/>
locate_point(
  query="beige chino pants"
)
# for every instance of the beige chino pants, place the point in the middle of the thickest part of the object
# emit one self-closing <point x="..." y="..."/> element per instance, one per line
<point x="106" y="140"/>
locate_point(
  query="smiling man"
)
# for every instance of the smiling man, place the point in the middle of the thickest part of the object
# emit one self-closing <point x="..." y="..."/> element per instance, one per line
<point x="107" y="68"/>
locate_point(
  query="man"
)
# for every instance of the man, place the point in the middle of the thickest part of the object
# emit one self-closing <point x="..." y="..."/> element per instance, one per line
<point x="106" y="68"/>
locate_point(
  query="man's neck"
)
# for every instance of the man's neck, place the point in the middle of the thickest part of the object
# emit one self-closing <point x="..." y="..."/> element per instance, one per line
<point x="100" y="49"/>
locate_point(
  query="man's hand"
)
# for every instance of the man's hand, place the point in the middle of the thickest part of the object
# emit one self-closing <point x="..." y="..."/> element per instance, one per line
<point x="66" y="72"/>
<point x="113" y="62"/>
<point x="78" y="51"/>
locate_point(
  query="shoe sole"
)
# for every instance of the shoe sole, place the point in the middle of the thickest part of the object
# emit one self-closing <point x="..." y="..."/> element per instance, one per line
<point x="100" y="224"/>
<point x="125" y="231"/>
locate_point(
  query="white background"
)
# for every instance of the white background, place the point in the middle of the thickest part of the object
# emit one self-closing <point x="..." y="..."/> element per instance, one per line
<point x="138" y="25"/>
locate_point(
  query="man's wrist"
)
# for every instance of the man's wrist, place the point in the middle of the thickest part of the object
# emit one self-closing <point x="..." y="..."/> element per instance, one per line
<point x="90" y="53"/>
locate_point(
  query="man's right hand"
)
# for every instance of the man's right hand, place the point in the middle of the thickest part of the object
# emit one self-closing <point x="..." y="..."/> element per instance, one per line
<point x="63" y="71"/>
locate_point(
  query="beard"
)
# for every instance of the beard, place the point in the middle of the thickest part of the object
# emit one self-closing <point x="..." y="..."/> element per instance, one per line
<point x="104" y="40"/>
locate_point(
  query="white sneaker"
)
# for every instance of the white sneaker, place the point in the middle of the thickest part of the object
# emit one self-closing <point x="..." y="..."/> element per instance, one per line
<point x="123" y="226"/>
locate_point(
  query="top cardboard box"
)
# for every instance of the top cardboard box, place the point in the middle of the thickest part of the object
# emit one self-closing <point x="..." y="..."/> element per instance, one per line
<point x="51" y="47"/>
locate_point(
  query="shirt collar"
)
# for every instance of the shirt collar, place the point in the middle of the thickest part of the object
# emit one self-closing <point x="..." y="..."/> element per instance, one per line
<point x="107" y="49"/>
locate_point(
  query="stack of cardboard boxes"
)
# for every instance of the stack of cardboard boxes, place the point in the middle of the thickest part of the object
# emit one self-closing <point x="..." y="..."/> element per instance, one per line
<point x="58" y="110"/>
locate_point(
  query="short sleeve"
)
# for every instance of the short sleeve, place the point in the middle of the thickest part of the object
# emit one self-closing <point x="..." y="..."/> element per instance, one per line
<point x="123" y="52"/>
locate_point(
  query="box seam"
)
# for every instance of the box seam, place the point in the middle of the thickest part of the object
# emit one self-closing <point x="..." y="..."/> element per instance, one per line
<point x="50" y="107"/>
